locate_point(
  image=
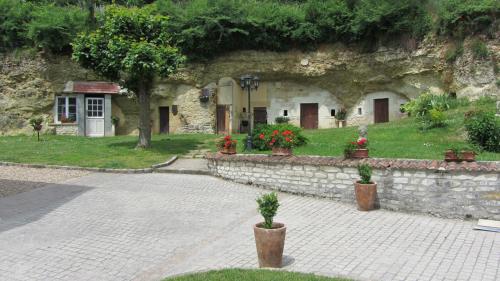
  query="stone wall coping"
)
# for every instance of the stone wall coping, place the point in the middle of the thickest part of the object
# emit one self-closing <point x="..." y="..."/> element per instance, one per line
<point x="63" y="124"/>
<point x="377" y="163"/>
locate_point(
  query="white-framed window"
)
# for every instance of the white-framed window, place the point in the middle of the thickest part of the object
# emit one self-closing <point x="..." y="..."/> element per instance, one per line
<point x="95" y="107"/>
<point x="66" y="109"/>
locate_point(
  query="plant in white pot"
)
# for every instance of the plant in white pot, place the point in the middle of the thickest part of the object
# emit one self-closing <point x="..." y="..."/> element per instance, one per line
<point x="269" y="235"/>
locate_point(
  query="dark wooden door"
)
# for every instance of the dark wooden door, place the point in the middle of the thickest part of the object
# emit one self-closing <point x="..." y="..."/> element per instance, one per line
<point x="309" y="115"/>
<point x="259" y="115"/>
<point x="164" y="119"/>
<point x="221" y="119"/>
<point x="381" y="110"/>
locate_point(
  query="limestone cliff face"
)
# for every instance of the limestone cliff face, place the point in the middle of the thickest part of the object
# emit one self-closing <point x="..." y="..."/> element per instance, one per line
<point x="350" y="74"/>
<point x="28" y="84"/>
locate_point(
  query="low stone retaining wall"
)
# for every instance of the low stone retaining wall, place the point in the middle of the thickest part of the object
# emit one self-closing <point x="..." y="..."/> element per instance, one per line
<point x="452" y="190"/>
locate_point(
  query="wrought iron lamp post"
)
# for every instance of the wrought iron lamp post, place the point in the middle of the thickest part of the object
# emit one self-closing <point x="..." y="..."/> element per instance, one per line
<point x="249" y="82"/>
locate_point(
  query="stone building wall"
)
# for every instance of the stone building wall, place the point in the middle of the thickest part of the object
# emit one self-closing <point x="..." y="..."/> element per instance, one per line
<point x="419" y="186"/>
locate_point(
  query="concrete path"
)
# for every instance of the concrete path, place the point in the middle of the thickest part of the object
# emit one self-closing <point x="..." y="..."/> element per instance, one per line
<point x="187" y="166"/>
<point x="146" y="227"/>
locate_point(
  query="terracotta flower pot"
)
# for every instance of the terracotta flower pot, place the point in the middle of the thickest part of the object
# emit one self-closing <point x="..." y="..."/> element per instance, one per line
<point x="468" y="156"/>
<point x="360" y="153"/>
<point x="230" y="150"/>
<point x="366" y="195"/>
<point x="270" y="244"/>
<point x="282" y="151"/>
<point x="450" y="156"/>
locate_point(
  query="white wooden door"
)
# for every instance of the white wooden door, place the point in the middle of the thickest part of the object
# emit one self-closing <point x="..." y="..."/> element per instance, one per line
<point x="94" y="125"/>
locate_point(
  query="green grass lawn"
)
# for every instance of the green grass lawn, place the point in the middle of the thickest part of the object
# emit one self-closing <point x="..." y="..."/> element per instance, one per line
<point x="251" y="275"/>
<point x="398" y="139"/>
<point x="107" y="152"/>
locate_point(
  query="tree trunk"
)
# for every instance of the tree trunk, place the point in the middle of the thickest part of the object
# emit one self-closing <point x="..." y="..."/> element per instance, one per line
<point x="144" y="117"/>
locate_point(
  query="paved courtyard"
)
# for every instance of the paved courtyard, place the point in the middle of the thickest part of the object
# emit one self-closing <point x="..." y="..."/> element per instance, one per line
<point x="146" y="227"/>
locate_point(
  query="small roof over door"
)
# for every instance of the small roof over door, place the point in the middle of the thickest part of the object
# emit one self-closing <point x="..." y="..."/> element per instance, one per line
<point x="94" y="87"/>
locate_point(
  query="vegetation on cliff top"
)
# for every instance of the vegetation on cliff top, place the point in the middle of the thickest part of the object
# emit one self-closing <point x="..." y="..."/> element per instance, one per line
<point x="205" y="28"/>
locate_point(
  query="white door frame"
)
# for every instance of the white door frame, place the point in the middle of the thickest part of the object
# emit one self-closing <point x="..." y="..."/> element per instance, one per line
<point x="94" y="117"/>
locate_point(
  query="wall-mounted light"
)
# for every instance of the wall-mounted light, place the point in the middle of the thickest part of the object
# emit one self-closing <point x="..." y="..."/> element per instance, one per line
<point x="174" y="109"/>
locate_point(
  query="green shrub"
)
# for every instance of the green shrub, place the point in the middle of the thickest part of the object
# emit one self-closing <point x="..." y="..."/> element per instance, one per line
<point x="479" y="49"/>
<point x="342" y="114"/>
<point x="483" y="130"/>
<point x="365" y="172"/>
<point x="268" y="207"/>
<point x="14" y="17"/>
<point x="281" y="120"/>
<point x="391" y="17"/>
<point x="263" y="134"/>
<point x="36" y="123"/>
<point x="437" y="118"/>
<point x="425" y="102"/>
<point x="428" y="109"/>
<point x="54" y="28"/>
<point x="332" y="19"/>
<point x="460" y="18"/>
<point x="454" y="52"/>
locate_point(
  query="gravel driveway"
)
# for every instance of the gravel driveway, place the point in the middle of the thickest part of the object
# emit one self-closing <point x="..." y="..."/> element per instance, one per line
<point x="148" y="226"/>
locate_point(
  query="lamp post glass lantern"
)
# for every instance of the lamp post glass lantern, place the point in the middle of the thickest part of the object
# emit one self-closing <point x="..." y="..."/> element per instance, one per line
<point x="249" y="82"/>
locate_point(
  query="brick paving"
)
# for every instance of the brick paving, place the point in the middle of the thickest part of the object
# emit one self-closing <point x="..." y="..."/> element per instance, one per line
<point x="146" y="227"/>
<point x="15" y="180"/>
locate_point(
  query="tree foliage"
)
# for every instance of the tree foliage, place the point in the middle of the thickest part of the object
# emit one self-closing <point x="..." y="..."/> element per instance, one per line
<point x="131" y="45"/>
<point x="53" y="27"/>
<point x="14" y="17"/>
<point x="207" y="28"/>
<point x="132" y="42"/>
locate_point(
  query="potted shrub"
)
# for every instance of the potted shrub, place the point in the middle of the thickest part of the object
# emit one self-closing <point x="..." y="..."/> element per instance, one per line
<point x="36" y="123"/>
<point x="357" y="149"/>
<point x="226" y="145"/>
<point x="269" y="235"/>
<point x="281" y="120"/>
<point x="114" y="123"/>
<point x="340" y="118"/>
<point x="365" y="189"/>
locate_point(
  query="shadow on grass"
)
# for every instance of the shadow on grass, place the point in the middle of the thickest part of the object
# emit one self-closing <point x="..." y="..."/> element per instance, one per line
<point x="164" y="146"/>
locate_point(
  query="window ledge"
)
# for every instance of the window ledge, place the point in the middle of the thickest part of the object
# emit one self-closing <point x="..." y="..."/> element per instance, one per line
<point x="63" y="124"/>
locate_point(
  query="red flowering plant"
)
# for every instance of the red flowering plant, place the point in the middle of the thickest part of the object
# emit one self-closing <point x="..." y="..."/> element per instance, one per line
<point x="226" y="142"/>
<point x="279" y="138"/>
<point x="350" y="147"/>
<point x="267" y="136"/>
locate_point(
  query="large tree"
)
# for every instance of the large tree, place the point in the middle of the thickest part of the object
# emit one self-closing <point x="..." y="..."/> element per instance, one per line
<point x="131" y="46"/>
